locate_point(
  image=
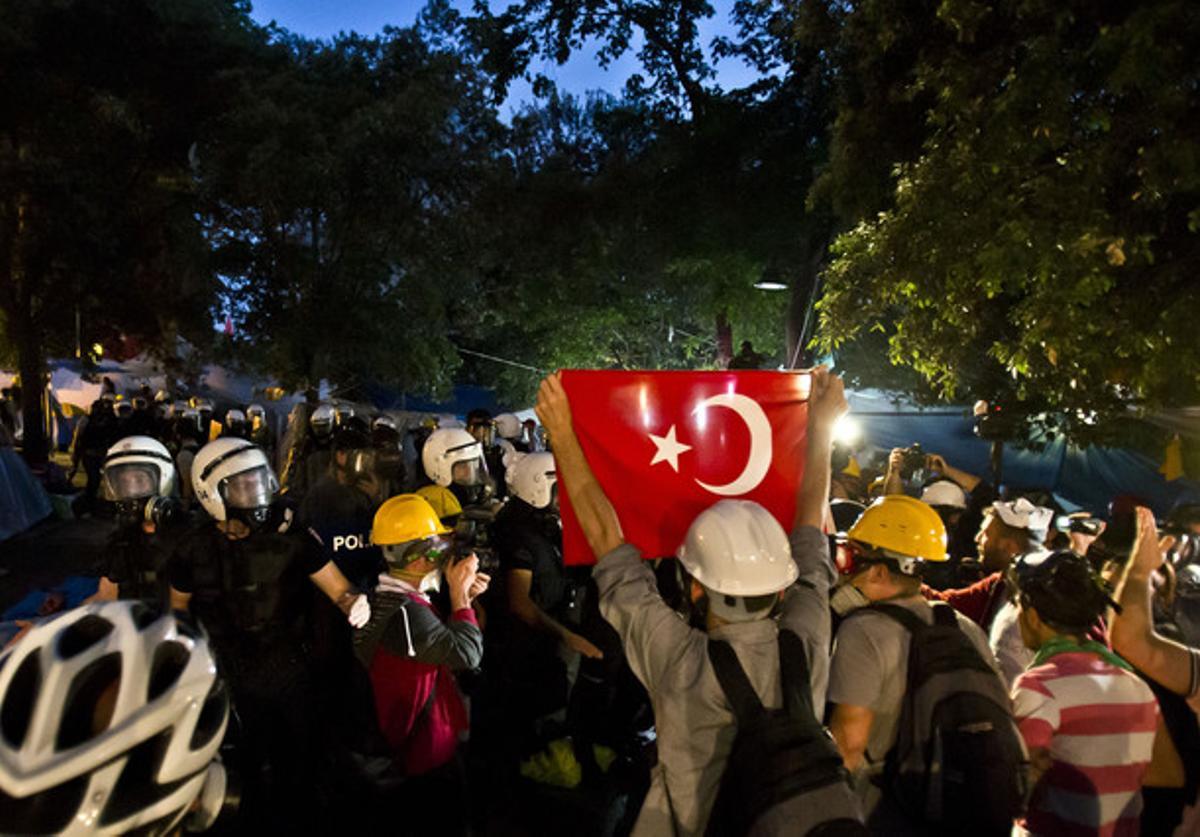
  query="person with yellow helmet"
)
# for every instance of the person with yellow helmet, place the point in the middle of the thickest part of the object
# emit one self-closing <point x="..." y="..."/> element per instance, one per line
<point x="411" y="652"/>
<point x="887" y="550"/>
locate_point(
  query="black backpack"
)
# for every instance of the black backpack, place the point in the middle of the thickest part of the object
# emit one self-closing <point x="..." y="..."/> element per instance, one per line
<point x="784" y="765"/>
<point x="959" y="765"/>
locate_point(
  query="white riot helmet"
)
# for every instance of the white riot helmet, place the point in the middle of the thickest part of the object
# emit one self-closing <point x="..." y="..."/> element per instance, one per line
<point x="384" y="420"/>
<point x="232" y="478"/>
<point x="736" y="548"/>
<point x="255" y="411"/>
<point x="448" y="446"/>
<point x="944" y="493"/>
<point x="235" y="417"/>
<point x="138" y="467"/>
<point x="321" y="421"/>
<point x="508" y="426"/>
<point x="532" y="478"/>
<point x="113" y="715"/>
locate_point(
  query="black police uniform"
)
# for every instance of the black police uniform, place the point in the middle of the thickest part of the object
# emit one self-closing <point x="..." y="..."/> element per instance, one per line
<point x="255" y="599"/>
<point x="341" y="516"/>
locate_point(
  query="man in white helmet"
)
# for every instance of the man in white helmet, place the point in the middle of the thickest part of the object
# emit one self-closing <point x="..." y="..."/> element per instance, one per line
<point x="696" y="728"/>
<point x="247" y="576"/>
<point x="139" y="481"/>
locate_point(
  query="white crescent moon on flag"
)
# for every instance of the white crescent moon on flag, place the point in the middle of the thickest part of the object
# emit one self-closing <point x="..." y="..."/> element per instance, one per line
<point x="759" y="461"/>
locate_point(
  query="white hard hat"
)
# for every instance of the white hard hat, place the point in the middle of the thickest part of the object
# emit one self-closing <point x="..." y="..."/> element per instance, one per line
<point x="737" y="548"/>
<point x="142" y="454"/>
<point x="90" y="699"/>
<point x="532" y="477"/>
<point x="217" y="462"/>
<point x="508" y="426"/>
<point x="443" y="448"/>
<point x="944" y="493"/>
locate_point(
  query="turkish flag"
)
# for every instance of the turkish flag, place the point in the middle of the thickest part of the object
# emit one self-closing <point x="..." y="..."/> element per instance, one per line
<point x="665" y="446"/>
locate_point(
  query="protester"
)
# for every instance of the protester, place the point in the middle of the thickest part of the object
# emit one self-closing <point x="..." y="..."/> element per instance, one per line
<point x="1088" y="721"/>
<point x="411" y="654"/>
<point x="740" y="594"/>
<point x="1173" y="665"/>
<point x="122" y="715"/>
<point x="870" y="684"/>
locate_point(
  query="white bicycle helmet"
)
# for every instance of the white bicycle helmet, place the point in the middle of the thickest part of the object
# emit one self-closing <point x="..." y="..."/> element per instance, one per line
<point x="234" y="475"/>
<point x="448" y="446"/>
<point x="532" y="477"/>
<point x="111" y="717"/>
<point x="508" y="426"/>
<point x="137" y="467"/>
<point x="737" y="548"/>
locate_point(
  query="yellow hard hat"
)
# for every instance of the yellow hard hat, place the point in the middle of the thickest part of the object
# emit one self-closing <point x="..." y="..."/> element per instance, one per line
<point x="442" y="499"/>
<point x="404" y="518"/>
<point x="903" y="527"/>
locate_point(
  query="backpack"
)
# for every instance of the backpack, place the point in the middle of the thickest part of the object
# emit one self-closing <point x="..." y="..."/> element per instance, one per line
<point x="959" y="764"/>
<point x="784" y="766"/>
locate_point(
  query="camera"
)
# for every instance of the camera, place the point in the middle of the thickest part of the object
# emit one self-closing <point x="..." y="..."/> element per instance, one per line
<point x="470" y="536"/>
<point x="913" y="461"/>
<point x="1079" y="525"/>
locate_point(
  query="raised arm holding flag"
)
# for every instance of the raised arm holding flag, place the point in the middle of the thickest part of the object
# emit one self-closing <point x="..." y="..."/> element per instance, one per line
<point x="742" y="568"/>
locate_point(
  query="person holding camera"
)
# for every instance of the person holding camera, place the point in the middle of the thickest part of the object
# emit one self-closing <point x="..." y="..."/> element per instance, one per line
<point x="138" y="478"/>
<point x="412" y="652"/>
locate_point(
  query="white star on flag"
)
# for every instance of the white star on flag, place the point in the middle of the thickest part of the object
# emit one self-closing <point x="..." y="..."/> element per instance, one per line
<point x="668" y="449"/>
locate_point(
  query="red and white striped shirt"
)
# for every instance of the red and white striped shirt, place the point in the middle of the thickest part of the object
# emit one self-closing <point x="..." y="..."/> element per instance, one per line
<point x="1097" y="721"/>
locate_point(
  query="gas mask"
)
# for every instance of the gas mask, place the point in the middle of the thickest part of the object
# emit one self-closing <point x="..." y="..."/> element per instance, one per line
<point x="847" y="598"/>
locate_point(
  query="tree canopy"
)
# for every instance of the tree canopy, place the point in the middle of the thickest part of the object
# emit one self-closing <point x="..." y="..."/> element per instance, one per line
<point x="965" y="200"/>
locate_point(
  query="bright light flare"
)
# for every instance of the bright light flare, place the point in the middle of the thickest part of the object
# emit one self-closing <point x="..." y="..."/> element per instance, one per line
<point x="847" y="432"/>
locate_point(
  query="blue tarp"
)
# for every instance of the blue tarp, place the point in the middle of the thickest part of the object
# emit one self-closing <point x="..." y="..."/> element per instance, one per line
<point x="1085" y="477"/>
<point x="23" y="501"/>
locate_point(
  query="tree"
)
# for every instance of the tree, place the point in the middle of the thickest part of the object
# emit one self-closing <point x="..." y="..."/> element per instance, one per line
<point x="1041" y="242"/>
<point x="335" y="203"/>
<point x="98" y="107"/>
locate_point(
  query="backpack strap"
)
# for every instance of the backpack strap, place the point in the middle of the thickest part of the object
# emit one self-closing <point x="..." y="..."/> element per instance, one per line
<point x="734" y="682"/>
<point x="943" y="615"/>
<point x="794" y="675"/>
<point x="914" y="623"/>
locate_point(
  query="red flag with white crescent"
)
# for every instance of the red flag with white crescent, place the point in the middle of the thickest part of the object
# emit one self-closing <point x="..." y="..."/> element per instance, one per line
<point x="664" y="446"/>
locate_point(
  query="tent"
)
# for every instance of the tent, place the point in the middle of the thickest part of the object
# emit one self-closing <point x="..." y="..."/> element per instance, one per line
<point x="23" y="501"/>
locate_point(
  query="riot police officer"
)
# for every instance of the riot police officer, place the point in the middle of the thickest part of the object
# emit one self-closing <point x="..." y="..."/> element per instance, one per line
<point x="139" y="480"/>
<point x="339" y="508"/>
<point x="245" y="575"/>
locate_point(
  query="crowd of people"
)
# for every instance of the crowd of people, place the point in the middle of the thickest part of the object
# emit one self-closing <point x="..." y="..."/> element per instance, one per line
<point x="361" y="623"/>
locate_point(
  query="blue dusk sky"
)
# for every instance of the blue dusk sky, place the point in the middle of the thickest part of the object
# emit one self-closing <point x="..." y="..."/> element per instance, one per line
<point x="326" y="18"/>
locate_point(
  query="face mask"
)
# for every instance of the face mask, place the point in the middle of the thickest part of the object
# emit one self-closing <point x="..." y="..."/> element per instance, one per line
<point x="847" y="598"/>
<point x="431" y="582"/>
